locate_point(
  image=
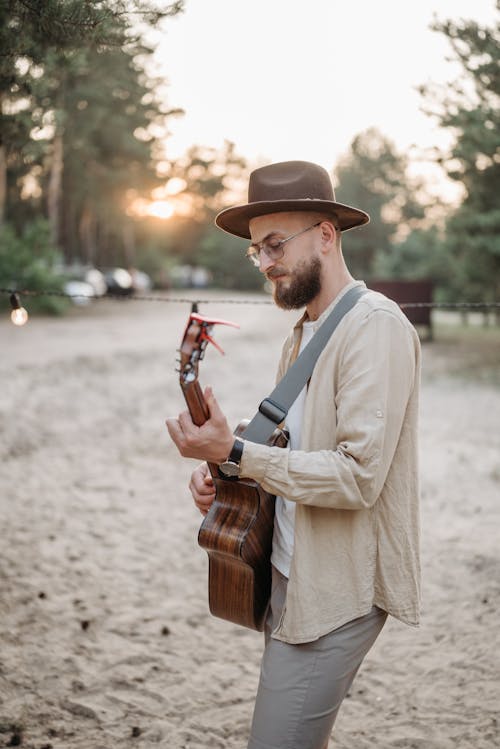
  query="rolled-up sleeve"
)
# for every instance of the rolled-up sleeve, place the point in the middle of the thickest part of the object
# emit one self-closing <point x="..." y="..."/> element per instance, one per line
<point x="373" y="383"/>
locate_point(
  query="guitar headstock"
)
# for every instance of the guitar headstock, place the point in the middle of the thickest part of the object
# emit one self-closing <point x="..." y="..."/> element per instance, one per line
<point x="197" y="335"/>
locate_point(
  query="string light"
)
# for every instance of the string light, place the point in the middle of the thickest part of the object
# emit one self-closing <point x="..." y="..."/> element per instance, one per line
<point x="19" y="316"/>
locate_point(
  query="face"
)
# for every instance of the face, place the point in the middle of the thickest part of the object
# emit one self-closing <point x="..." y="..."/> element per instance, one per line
<point x="296" y="277"/>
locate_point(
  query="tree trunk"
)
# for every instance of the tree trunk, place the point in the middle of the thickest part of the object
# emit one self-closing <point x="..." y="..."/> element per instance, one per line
<point x="128" y="235"/>
<point x="88" y="235"/>
<point x="3" y="183"/>
<point x="54" y="188"/>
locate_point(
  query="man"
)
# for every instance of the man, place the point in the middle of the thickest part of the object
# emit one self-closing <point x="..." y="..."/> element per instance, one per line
<point x="345" y="546"/>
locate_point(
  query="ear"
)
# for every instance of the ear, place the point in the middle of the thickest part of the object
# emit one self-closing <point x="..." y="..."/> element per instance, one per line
<point x="328" y="236"/>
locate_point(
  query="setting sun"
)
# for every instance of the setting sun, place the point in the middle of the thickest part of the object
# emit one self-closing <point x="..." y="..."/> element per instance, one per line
<point x="160" y="209"/>
<point x="140" y="207"/>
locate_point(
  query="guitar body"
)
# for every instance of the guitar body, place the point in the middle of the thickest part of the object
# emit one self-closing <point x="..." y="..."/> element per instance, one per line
<point x="237" y="534"/>
<point x="237" y="531"/>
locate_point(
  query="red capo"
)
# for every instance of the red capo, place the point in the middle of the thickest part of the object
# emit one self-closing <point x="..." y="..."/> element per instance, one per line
<point x="207" y="323"/>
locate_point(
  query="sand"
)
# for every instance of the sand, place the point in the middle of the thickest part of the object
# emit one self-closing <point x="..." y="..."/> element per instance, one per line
<point x="106" y="638"/>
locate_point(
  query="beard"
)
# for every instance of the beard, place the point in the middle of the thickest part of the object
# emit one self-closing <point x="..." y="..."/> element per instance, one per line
<point x="304" y="284"/>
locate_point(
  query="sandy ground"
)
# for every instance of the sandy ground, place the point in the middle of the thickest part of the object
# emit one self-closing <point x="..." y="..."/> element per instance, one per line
<point x="106" y="639"/>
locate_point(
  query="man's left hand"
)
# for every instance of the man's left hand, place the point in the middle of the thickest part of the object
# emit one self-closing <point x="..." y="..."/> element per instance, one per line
<point x="212" y="441"/>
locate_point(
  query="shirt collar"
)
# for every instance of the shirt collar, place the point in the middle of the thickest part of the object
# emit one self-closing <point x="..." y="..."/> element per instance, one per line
<point x="321" y="319"/>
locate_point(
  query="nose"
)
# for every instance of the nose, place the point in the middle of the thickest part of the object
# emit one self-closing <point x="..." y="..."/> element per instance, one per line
<point x="265" y="262"/>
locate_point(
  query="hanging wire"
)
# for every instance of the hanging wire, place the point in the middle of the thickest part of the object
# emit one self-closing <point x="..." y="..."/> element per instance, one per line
<point x="130" y="297"/>
<point x="187" y="300"/>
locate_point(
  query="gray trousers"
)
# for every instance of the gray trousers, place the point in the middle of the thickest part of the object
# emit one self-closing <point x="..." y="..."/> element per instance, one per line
<point x="301" y="687"/>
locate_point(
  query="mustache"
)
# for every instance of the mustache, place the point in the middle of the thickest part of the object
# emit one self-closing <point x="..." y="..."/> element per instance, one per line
<point x="275" y="273"/>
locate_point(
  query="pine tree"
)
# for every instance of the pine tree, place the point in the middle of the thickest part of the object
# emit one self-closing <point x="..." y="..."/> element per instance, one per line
<point x="470" y="108"/>
<point x="373" y="176"/>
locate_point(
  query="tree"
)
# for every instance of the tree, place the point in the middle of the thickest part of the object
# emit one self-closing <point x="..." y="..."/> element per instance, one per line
<point x="56" y="58"/>
<point x="210" y="176"/>
<point x="224" y="256"/>
<point x="470" y="108"/>
<point x="373" y="176"/>
<point x="108" y="110"/>
<point x="28" y="32"/>
<point x="423" y="254"/>
<point x="209" y="180"/>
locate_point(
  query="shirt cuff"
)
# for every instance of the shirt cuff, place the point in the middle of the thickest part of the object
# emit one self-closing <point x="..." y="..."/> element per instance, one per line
<point x="255" y="460"/>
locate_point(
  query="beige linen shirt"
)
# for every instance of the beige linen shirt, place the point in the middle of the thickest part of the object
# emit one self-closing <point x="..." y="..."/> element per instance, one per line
<point x="355" y="478"/>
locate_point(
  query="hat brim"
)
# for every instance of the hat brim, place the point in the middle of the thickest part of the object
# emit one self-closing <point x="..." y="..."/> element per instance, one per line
<point x="236" y="220"/>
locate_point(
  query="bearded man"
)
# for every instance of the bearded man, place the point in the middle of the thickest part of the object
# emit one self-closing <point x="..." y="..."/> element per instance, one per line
<point x="345" y="549"/>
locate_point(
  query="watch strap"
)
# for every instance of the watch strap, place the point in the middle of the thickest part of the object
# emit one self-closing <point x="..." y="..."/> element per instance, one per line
<point x="237" y="451"/>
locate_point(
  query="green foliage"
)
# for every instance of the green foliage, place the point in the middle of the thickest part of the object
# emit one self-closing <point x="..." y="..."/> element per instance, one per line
<point x="210" y="177"/>
<point x="474" y="238"/>
<point x="464" y="258"/>
<point x="422" y="255"/>
<point x="224" y="256"/>
<point x="209" y="180"/>
<point x="76" y="117"/>
<point x="373" y="176"/>
<point x="157" y="263"/>
<point x="470" y="108"/>
<point x="29" y="261"/>
<point x="104" y="158"/>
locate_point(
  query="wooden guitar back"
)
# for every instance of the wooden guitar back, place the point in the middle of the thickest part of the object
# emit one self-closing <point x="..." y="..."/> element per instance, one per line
<point x="237" y="535"/>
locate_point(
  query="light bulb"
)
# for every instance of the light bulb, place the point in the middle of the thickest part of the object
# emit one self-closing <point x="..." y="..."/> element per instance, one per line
<point x="19" y="316"/>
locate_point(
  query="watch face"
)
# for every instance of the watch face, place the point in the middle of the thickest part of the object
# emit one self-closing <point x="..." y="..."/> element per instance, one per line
<point x="229" y="468"/>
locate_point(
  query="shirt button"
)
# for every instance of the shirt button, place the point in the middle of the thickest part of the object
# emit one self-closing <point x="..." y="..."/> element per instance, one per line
<point x="379" y="414"/>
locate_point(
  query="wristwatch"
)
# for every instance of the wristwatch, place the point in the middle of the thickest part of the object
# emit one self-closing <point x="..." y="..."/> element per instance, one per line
<point x="231" y="466"/>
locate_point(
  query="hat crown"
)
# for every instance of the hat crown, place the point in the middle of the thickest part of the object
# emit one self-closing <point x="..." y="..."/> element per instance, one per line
<point x="289" y="186"/>
<point x="290" y="180"/>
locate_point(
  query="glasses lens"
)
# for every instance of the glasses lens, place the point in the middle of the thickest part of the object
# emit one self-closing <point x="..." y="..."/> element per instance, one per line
<point x="273" y="248"/>
<point x="253" y="254"/>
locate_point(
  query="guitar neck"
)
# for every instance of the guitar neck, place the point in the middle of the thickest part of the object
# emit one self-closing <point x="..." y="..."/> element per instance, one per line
<point x="195" y="402"/>
<point x="198" y="409"/>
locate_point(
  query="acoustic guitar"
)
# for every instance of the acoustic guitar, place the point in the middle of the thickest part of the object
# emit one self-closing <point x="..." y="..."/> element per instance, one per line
<point x="238" y="529"/>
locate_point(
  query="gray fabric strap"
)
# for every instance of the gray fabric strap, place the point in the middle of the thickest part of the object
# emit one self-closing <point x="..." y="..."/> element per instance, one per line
<point x="273" y="409"/>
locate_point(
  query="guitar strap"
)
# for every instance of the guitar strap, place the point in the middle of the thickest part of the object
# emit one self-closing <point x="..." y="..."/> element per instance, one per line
<point x="273" y="409"/>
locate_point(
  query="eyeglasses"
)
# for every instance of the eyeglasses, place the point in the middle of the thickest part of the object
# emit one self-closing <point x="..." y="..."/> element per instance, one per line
<point x="272" y="247"/>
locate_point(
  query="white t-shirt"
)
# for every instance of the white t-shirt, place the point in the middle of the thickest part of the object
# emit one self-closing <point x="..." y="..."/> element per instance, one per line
<point x="284" y="519"/>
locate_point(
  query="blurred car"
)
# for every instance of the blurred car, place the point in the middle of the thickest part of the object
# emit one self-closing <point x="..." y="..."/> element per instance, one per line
<point x="81" y="293"/>
<point x="140" y="280"/>
<point x="119" y="281"/>
<point x="96" y="279"/>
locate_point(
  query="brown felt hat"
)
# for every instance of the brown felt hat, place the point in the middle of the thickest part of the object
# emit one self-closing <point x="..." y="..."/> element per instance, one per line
<point x="288" y="186"/>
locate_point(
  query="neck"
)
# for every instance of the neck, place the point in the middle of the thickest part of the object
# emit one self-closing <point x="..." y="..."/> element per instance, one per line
<point x="331" y="286"/>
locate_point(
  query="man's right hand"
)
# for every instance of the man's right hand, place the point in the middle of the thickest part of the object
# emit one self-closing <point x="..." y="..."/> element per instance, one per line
<point x="202" y="488"/>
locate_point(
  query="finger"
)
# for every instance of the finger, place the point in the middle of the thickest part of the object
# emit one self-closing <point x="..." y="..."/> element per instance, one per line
<point x="204" y="471"/>
<point x="203" y="506"/>
<point x="202" y="478"/>
<point x="174" y="430"/>
<point x="201" y="490"/>
<point x="213" y="405"/>
<point x="204" y="511"/>
<point x="205" y="503"/>
<point x="200" y="486"/>
<point x="186" y="423"/>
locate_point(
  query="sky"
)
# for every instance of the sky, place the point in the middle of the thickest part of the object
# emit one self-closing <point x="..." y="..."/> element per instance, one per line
<point x="285" y="79"/>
